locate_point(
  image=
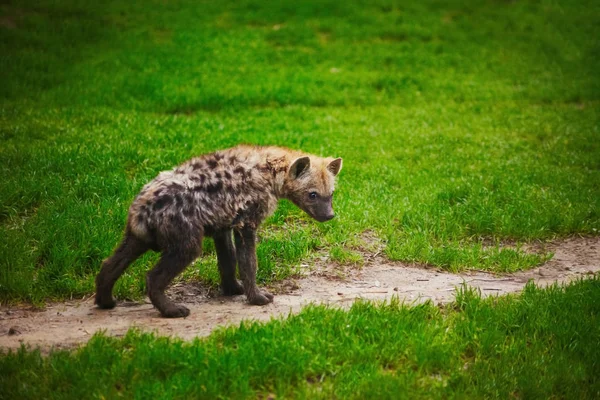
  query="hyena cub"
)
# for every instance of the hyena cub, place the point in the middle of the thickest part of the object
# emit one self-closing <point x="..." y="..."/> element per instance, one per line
<point x="215" y="194"/>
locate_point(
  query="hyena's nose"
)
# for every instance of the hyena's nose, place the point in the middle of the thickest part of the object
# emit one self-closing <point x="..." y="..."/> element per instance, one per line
<point x="328" y="217"/>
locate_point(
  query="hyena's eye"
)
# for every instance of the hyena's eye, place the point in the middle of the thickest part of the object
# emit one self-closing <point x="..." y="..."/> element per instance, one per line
<point x="312" y="195"/>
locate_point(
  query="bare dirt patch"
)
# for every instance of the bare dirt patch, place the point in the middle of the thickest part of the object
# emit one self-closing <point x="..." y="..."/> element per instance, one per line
<point x="71" y="323"/>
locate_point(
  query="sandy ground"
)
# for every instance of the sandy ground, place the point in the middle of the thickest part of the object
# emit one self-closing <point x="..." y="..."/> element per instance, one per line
<point x="64" y="325"/>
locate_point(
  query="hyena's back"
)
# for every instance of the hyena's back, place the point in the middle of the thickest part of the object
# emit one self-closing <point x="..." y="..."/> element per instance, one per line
<point x="205" y="194"/>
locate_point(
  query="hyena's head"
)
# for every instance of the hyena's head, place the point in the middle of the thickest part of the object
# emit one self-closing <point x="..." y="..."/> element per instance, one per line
<point x="309" y="183"/>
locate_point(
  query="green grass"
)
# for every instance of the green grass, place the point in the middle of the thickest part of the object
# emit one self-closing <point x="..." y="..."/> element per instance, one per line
<point x="460" y="124"/>
<point x="538" y="345"/>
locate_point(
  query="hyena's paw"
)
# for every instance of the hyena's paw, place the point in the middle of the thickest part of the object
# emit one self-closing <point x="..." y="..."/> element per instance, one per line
<point x="260" y="299"/>
<point x="232" y="289"/>
<point x="175" y="311"/>
<point x="105" y="302"/>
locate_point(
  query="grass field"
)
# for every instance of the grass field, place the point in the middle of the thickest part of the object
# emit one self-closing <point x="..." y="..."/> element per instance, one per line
<point x="542" y="344"/>
<point x="463" y="125"/>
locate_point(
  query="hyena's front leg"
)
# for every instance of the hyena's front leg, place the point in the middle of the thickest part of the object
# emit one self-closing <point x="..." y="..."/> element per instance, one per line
<point x="226" y="259"/>
<point x="245" y="244"/>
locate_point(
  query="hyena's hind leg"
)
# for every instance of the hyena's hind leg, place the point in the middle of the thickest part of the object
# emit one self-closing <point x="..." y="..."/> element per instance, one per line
<point x="226" y="259"/>
<point x="171" y="263"/>
<point x="131" y="248"/>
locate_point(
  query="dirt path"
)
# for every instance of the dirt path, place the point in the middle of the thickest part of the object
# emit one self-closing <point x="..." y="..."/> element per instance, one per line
<point x="68" y="324"/>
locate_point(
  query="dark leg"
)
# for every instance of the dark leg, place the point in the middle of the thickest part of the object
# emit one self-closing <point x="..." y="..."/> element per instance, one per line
<point x="227" y="263"/>
<point x="171" y="263"/>
<point x="112" y="268"/>
<point x="245" y="244"/>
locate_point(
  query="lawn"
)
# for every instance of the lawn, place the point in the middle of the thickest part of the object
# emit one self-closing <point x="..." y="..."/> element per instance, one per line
<point x="467" y="129"/>
<point x="463" y="126"/>
<point x="542" y="344"/>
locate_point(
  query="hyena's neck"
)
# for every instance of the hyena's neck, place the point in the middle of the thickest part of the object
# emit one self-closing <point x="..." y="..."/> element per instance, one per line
<point x="275" y="165"/>
<point x="278" y="185"/>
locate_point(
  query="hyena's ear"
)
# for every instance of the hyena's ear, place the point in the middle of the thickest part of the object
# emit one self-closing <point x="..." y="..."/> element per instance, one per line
<point x="335" y="166"/>
<point x="298" y="167"/>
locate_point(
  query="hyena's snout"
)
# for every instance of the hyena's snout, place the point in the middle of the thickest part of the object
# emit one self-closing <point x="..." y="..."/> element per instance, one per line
<point x="324" y="212"/>
<point x="325" y="218"/>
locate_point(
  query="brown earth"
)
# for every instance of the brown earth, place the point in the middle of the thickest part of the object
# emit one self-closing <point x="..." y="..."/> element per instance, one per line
<point x="71" y="323"/>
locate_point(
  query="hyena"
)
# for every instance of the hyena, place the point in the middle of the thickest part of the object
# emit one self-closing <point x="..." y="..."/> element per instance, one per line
<point x="226" y="195"/>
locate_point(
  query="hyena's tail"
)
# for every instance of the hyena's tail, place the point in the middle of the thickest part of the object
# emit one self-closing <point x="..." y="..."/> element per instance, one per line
<point x="131" y="248"/>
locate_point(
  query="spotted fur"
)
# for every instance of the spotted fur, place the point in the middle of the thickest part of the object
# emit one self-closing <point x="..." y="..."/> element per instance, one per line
<point x="215" y="194"/>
